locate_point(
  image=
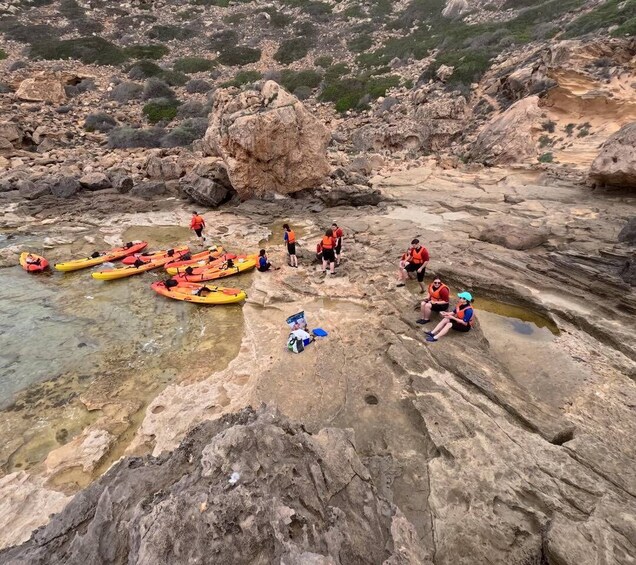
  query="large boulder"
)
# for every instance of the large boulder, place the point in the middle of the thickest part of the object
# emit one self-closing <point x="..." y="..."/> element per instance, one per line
<point x="150" y="189"/>
<point x="42" y="88"/>
<point x="10" y="135"/>
<point x="615" y="165"/>
<point x="95" y="181"/>
<point x="65" y="187"/>
<point x="30" y="190"/>
<point x="249" y="488"/>
<point x="628" y="232"/>
<point x="207" y="186"/>
<point x="510" y="138"/>
<point x="268" y="141"/>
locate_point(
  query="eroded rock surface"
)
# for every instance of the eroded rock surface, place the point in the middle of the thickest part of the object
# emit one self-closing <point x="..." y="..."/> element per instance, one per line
<point x="615" y="165"/>
<point x="278" y="493"/>
<point x="268" y="140"/>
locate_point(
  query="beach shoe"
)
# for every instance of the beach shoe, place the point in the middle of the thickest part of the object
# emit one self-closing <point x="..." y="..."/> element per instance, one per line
<point x="422" y="321"/>
<point x="431" y="339"/>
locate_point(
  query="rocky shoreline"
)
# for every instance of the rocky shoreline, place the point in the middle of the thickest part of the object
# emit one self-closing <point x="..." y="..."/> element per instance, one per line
<point x="487" y="454"/>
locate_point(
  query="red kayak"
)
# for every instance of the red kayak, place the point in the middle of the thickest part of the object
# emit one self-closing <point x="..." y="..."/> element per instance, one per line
<point x="33" y="263"/>
<point x="149" y="256"/>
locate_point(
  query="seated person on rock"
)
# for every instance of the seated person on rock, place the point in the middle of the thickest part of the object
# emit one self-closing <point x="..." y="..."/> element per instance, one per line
<point x="263" y="262"/>
<point x="415" y="265"/>
<point x="436" y="300"/>
<point x="461" y="319"/>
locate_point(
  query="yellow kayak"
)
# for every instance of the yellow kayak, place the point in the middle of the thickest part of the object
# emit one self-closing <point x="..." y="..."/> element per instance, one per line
<point x="200" y="293"/>
<point x="112" y="255"/>
<point x="130" y="270"/>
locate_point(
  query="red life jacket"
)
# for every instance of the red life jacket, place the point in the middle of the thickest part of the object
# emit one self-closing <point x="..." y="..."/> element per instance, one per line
<point x="328" y="242"/>
<point x="197" y="222"/>
<point x="319" y="248"/>
<point x="435" y="294"/>
<point x="418" y="256"/>
<point x="338" y="233"/>
<point x="459" y="312"/>
<point x="291" y="237"/>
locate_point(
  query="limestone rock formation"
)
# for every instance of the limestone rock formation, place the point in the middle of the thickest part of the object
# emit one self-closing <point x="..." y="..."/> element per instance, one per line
<point x="509" y="138"/>
<point x="615" y="165"/>
<point x="628" y="232"/>
<point x="268" y="140"/>
<point x="42" y="88"/>
<point x="249" y="488"/>
<point x="520" y="237"/>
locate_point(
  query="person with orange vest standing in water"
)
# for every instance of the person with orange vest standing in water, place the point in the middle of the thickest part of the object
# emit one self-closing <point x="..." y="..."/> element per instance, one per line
<point x="461" y="319"/>
<point x="437" y="300"/>
<point x="329" y="252"/>
<point x="197" y="224"/>
<point x="416" y="263"/>
<point x="338" y="234"/>
<point x="290" y="239"/>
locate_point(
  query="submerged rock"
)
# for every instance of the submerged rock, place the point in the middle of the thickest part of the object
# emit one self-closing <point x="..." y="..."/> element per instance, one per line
<point x="249" y="488"/>
<point x="268" y="140"/>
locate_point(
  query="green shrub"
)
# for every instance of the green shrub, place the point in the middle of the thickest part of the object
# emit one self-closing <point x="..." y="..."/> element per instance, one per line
<point x="243" y="77"/>
<point x="360" y="43"/>
<point x="546" y="158"/>
<point x="311" y="7"/>
<point x="99" y="122"/>
<point x="569" y="129"/>
<point x="221" y="3"/>
<point x="127" y="137"/>
<point x="146" y="51"/>
<point x="222" y="39"/>
<point x="156" y="88"/>
<point x="94" y="50"/>
<point x="548" y="126"/>
<point x="291" y="80"/>
<point x="36" y="33"/>
<point x="174" y="78"/>
<point x="336" y="71"/>
<point x="198" y="86"/>
<point x="71" y="10"/>
<point x="349" y="93"/>
<point x="354" y="11"/>
<point x="469" y="65"/>
<point x="144" y="69"/>
<point x="3" y="54"/>
<point x="628" y="28"/>
<point x="193" y="109"/>
<point x="612" y="12"/>
<point x="293" y="49"/>
<point x="126" y="91"/>
<point x="161" y="110"/>
<point x="185" y="133"/>
<point x="277" y="18"/>
<point x="168" y="32"/>
<point x="323" y="61"/>
<point x="545" y="140"/>
<point x="239" y="55"/>
<point x="190" y="65"/>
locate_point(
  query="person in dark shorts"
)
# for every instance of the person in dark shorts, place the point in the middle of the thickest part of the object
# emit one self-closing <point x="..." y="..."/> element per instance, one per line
<point x="338" y="234"/>
<point x="329" y="252"/>
<point x="290" y="240"/>
<point x="461" y="319"/>
<point x="437" y="300"/>
<point x="197" y="224"/>
<point x="415" y="265"/>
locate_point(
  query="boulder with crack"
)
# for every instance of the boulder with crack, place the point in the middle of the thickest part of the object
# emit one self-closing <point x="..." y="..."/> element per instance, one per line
<point x="268" y="141"/>
<point x="615" y="165"/>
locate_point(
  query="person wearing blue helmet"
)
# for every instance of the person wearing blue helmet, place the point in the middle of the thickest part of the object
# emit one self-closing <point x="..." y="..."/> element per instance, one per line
<point x="461" y="319"/>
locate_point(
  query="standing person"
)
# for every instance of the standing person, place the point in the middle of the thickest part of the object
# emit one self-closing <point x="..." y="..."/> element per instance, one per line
<point x="416" y="263"/>
<point x="461" y="319"/>
<point x="338" y="234"/>
<point x="436" y="300"/>
<point x="329" y="252"/>
<point x="290" y="239"/>
<point x="197" y="223"/>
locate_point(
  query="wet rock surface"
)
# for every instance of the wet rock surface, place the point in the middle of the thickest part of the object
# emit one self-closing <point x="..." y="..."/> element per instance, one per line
<point x="281" y="495"/>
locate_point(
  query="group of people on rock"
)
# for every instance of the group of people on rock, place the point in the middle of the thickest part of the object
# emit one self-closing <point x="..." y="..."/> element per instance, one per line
<point x="413" y="263"/>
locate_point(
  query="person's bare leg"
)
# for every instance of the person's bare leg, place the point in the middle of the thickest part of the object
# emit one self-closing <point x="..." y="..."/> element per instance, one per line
<point x="439" y="326"/>
<point x="425" y="310"/>
<point x="332" y="268"/>
<point x="444" y="331"/>
<point x="324" y="265"/>
<point x="422" y="286"/>
<point x="294" y="260"/>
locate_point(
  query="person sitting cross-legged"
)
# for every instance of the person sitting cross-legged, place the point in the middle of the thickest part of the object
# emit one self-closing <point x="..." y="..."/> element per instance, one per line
<point x="436" y="300"/>
<point x="461" y="319"/>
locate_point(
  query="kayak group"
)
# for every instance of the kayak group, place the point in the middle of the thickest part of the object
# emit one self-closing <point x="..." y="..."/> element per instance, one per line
<point x="189" y="273"/>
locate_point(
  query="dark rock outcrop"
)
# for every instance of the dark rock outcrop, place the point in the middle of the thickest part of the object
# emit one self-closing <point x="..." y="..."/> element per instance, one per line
<point x="628" y="233"/>
<point x="211" y="188"/>
<point x="65" y="187"/>
<point x="149" y="189"/>
<point x="249" y="488"/>
<point x="95" y="181"/>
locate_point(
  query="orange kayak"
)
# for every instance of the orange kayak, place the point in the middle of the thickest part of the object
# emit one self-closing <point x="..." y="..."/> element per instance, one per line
<point x="112" y="255"/>
<point x="200" y="266"/>
<point x="226" y="269"/>
<point x="33" y="263"/>
<point x="130" y="270"/>
<point x="202" y="258"/>
<point x="199" y="293"/>
<point x="149" y="256"/>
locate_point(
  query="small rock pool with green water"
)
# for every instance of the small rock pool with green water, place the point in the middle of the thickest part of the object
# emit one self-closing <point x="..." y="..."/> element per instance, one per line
<point x="74" y="350"/>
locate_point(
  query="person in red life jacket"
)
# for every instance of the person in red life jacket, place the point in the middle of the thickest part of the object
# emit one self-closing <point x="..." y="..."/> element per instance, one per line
<point x="436" y="300"/>
<point x="416" y="263"/>
<point x="197" y="223"/>
<point x="338" y="234"/>
<point x="319" y="252"/>
<point x="290" y="239"/>
<point x="329" y="252"/>
<point x="461" y="319"/>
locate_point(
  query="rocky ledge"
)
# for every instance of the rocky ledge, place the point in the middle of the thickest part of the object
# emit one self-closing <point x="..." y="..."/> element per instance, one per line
<point x="251" y="487"/>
